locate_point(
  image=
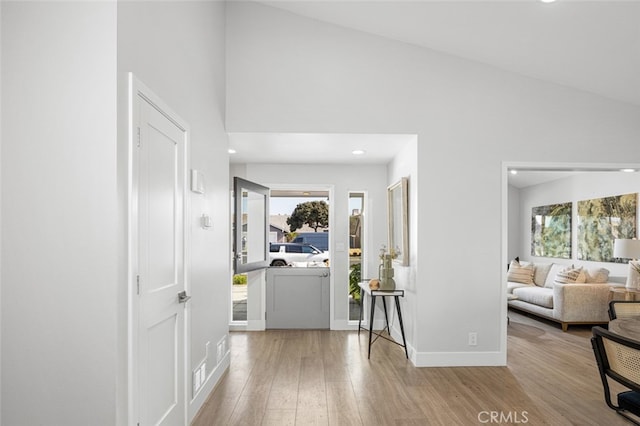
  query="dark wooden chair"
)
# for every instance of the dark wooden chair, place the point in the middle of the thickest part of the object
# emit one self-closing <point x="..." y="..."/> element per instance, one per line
<point x="618" y="359"/>
<point x="623" y="309"/>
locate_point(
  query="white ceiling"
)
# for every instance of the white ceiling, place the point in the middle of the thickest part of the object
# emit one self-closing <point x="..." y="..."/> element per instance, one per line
<point x="298" y="148"/>
<point x="526" y="178"/>
<point x="588" y="45"/>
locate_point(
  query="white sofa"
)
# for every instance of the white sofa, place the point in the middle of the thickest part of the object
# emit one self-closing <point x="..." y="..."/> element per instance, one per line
<point x="567" y="303"/>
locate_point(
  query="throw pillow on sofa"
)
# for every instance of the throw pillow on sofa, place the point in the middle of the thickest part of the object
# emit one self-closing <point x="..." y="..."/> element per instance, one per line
<point x="551" y="276"/>
<point x="597" y="275"/>
<point x="519" y="273"/>
<point x="541" y="270"/>
<point x="570" y="276"/>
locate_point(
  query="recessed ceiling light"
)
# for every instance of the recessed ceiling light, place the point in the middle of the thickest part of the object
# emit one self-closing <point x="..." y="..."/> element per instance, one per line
<point x="231" y="151"/>
<point x="513" y="172"/>
<point x="358" y="152"/>
<point x="628" y="170"/>
<point x="547" y="1"/>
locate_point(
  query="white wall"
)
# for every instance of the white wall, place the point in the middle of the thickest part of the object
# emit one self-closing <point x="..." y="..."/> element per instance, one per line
<point x="405" y="165"/>
<point x="59" y="213"/>
<point x="572" y="189"/>
<point x="177" y="50"/>
<point x="343" y="178"/>
<point x="291" y="74"/>
<point x="63" y="342"/>
<point x="514" y="225"/>
<point x="0" y="210"/>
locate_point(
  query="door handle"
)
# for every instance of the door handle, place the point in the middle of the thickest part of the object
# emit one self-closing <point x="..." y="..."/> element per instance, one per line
<point x="182" y="297"/>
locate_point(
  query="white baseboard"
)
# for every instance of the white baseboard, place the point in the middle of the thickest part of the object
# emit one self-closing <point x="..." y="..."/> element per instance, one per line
<point x="459" y="359"/>
<point x="344" y="325"/>
<point x="451" y="359"/>
<point x="209" y="384"/>
<point x="256" y="325"/>
<point x="238" y="327"/>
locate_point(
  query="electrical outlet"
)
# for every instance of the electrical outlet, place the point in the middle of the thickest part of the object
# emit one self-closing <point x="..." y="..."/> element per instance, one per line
<point x="198" y="377"/>
<point x="196" y="381"/>
<point x="473" y="339"/>
<point x="221" y="349"/>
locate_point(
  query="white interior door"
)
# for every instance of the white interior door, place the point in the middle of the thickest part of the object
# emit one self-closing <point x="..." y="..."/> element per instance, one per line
<point x="159" y="183"/>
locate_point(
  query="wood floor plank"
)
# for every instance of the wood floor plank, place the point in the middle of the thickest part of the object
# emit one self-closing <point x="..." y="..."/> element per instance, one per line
<point x="315" y="377"/>
<point x="319" y="417"/>
<point x="283" y="396"/>
<point x="286" y="379"/>
<point x="216" y="411"/>
<point x="279" y="417"/>
<point x="249" y="411"/>
<point x="433" y="406"/>
<point x="341" y="404"/>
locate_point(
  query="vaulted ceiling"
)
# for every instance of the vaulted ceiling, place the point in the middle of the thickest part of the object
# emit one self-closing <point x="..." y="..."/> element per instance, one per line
<point x="589" y="45"/>
<point x="592" y="46"/>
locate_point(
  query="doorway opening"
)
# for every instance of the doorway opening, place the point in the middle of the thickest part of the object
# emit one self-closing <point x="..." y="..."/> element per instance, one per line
<point x="298" y="235"/>
<point x="529" y="186"/>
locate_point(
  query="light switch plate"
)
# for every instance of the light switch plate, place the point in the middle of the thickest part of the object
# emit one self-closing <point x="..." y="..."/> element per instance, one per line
<point x="205" y="221"/>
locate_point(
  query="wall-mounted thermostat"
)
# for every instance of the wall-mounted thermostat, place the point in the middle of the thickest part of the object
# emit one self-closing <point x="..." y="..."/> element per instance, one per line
<point x="197" y="181"/>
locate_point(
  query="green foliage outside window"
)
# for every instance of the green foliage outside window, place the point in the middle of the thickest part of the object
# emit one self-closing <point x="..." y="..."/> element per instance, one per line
<point x="312" y="213"/>
<point x="240" y="279"/>
<point x="355" y="277"/>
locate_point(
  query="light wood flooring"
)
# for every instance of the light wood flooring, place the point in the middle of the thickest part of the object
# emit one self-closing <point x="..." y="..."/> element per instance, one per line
<point x="294" y="377"/>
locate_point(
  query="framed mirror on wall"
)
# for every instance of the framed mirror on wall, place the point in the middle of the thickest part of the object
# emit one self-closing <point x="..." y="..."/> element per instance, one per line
<point x="397" y="204"/>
